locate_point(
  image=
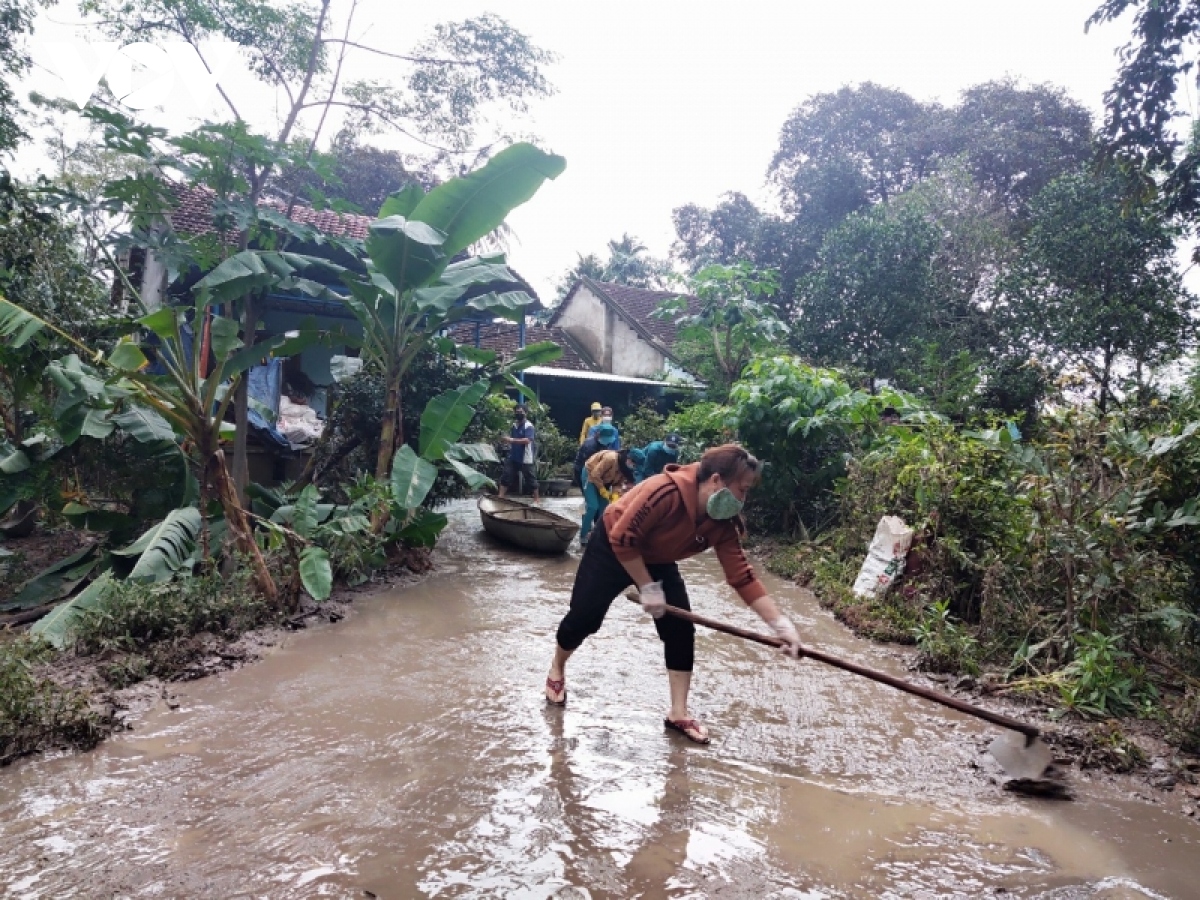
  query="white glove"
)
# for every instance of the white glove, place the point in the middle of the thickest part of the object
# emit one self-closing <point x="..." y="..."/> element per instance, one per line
<point x="654" y="601"/>
<point x="786" y="632"/>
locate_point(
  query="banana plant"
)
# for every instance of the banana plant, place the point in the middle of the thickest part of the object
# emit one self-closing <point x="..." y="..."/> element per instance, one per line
<point x="413" y="289"/>
<point x="176" y="399"/>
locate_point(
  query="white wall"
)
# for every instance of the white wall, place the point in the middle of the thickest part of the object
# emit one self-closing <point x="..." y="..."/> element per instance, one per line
<point x="632" y="356"/>
<point x="585" y="319"/>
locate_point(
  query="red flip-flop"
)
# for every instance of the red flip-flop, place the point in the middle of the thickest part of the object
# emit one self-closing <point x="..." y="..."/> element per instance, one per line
<point x="690" y="729"/>
<point x="555" y="686"/>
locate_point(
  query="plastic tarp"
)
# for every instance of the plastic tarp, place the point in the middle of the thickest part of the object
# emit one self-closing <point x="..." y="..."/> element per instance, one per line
<point x="265" y="385"/>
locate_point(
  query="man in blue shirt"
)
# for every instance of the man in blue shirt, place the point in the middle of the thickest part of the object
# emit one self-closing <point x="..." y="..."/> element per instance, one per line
<point x="658" y="454"/>
<point x="520" y="455"/>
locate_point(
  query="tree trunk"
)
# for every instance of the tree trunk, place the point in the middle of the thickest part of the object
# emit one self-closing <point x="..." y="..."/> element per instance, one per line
<point x="239" y="525"/>
<point x="392" y="433"/>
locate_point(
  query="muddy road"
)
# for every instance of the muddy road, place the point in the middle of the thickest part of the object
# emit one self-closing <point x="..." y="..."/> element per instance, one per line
<point x="407" y="752"/>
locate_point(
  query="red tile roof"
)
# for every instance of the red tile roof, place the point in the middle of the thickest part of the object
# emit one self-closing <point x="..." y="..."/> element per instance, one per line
<point x="194" y="215"/>
<point x="504" y="338"/>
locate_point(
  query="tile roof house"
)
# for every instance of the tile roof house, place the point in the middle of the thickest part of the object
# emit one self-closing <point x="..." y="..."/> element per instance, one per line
<point x="614" y="325"/>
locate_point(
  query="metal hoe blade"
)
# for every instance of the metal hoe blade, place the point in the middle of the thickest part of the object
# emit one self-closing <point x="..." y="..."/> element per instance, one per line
<point x="1021" y="756"/>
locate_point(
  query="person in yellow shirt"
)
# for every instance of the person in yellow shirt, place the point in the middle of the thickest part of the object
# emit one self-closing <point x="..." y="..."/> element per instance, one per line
<point x="591" y="422"/>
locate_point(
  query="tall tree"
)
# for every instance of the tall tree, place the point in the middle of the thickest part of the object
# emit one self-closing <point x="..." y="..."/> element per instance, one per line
<point x="842" y="151"/>
<point x="16" y="20"/>
<point x="866" y="303"/>
<point x="1019" y="139"/>
<point x="1097" y="286"/>
<point x="735" y="230"/>
<point x="629" y="262"/>
<point x="1142" y="106"/>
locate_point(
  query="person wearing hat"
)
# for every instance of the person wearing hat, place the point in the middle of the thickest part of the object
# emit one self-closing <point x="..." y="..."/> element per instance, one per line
<point x="520" y="455"/>
<point x="606" y="473"/>
<point x="591" y="422"/>
<point x="593" y="445"/>
<point x="658" y="455"/>
<point x="640" y="540"/>
<point x="606" y="418"/>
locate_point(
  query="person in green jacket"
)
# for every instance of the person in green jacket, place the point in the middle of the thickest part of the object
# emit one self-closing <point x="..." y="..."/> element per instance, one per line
<point x="658" y="455"/>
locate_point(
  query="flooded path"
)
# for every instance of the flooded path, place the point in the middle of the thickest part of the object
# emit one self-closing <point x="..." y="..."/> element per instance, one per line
<point x="407" y="752"/>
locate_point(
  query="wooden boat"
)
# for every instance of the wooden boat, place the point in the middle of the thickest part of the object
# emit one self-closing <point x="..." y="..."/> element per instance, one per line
<point x="530" y="527"/>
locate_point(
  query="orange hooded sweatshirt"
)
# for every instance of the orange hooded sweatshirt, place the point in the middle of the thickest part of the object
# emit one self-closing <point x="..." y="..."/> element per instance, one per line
<point x="659" y="520"/>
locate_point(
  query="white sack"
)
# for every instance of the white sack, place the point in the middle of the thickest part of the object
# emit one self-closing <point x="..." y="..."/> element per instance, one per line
<point x="885" y="558"/>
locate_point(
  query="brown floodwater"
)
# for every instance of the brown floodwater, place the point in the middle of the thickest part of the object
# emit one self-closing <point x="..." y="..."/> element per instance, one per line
<point x="407" y="752"/>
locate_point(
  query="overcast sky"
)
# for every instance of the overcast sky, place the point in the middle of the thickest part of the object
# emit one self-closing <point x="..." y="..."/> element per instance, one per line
<point x="665" y="103"/>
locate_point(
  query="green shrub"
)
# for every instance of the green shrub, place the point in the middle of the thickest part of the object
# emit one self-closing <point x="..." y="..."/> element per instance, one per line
<point x="701" y="425"/>
<point x="135" y="615"/>
<point x="37" y="713"/>
<point x="944" y="644"/>
<point x="643" y="425"/>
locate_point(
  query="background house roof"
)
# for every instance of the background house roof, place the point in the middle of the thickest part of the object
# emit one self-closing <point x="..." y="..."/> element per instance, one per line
<point x="635" y="305"/>
<point x="504" y="338"/>
<point x="194" y="215"/>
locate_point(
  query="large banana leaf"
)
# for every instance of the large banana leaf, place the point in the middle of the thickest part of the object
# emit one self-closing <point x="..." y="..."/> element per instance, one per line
<point x="408" y="253"/>
<point x="315" y="572"/>
<point x="446" y="417"/>
<point x="56" y="626"/>
<point x="18" y="327"/>
<point x="475" y="452"/>
<point x="144" y="425"/>
<point x="532" y="355"/>
<point x="473" y="477"/>
<point x="423" y="528"/>
<point x="166" y="548"/>
<point x="403" y="202"/>
<point x="412" y="477"/>
<point x="252" y="270"/>
<point x="304" y="513"/>
<point x="55" y="581"/>
<point x="465" y="209"/>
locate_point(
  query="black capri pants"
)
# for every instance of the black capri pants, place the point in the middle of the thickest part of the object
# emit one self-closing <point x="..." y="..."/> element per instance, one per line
<point x="601" y="578"/>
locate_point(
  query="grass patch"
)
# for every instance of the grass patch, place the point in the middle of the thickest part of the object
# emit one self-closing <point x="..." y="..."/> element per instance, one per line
<point x="831" y="577"/>
<point x="36" y="713"/>
<point x="148" y="630"/>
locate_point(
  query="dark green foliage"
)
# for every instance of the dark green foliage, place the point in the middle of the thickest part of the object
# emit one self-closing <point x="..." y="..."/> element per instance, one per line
<point x="867" y="302"/>
<point x="16" y="20"/>
<point x="803" y="421"/>
<point x="643" y="425"/>
<point x="350" y="442"/>
<point x="134" y="616"/>
<point x="1096" y="285"/>
<point x="702" y="425"/>
<point x="1142" y="107"/>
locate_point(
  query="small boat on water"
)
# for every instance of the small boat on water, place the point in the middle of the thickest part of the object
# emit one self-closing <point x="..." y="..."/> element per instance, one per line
<point x="530" y="527"/>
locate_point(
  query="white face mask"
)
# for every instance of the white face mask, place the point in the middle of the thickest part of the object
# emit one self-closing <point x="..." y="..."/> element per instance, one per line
<point x="607" y="419"/>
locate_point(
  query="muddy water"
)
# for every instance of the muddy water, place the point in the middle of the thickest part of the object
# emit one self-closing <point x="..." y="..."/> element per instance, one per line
<point x="407" y="752"/>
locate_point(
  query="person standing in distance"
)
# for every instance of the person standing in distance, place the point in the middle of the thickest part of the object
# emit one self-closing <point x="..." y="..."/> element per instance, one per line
<point x="520" y="455"/>
<point x="590" y="422"/>
<point x="639" y="541"/>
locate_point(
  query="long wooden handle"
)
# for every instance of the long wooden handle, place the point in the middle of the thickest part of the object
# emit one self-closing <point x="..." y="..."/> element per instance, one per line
<point x="1030" y="731"/>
